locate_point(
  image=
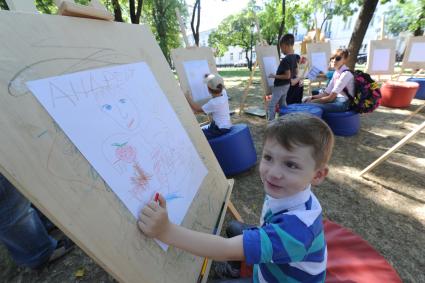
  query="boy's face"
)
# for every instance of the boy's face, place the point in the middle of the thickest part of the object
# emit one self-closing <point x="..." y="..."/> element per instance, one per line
<point x="285" y="173"/>
<point x="284" y="48"/>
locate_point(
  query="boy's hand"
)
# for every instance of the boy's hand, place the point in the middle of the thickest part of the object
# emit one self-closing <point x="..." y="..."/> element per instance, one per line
<point x="153" y="219"/>
<point x="307" y="99"/>
<point x="272" y="76"/>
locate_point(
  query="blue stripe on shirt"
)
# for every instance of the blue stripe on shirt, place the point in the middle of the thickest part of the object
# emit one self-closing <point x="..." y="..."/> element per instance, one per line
<point x="317" y="256"/>
<point x="294" y="227"/>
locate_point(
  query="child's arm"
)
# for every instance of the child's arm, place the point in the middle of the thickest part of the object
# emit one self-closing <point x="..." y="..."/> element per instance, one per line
<point x="195" y="107"/>
<point x="324" y="97"/>
<point x="153" y="222"/>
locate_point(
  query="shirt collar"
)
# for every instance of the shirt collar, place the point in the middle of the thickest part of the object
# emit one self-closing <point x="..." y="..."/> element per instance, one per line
<point x="342" y="69"/>
<point x="277" y="205"/>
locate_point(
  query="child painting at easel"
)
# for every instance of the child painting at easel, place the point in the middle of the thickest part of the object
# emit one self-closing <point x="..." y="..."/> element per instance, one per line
<point x="217" y="107"/>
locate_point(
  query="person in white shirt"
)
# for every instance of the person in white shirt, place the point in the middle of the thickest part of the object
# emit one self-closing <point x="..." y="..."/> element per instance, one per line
<point x="335" y="97"/>
<point x="217" y="107"/>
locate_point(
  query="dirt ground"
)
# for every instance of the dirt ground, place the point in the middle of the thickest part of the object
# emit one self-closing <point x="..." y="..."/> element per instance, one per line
<point x="386" y="208"/>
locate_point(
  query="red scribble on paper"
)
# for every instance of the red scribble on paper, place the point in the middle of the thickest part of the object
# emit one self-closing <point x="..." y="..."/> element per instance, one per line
<point x="140" y="180"/>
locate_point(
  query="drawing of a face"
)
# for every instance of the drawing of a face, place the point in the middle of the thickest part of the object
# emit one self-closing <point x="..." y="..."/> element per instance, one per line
<point x="121" y="109"/>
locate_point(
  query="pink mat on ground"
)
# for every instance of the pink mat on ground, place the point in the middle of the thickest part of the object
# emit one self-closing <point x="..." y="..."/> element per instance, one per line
<point x="352" y="260"/>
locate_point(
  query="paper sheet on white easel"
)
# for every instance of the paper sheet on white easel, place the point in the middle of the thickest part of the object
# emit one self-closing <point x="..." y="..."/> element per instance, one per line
<point x="417" y="52"/>
<point x="381" y="59"/>
<point x="270" y="67"/>
<point x="318" y="59"/>
<point x="121" y="121"/>
<point x="195" y="72"/>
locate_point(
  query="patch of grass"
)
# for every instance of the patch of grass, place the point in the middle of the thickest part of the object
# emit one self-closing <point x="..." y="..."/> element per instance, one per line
<point x="237" y="72"/>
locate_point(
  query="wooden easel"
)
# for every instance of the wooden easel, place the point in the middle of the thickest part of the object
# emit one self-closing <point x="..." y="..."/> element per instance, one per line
<point x="231" y="207"/>
<point x="256" y="111"/>
<point x="103" y="229"/>
<point x="387" y="154"/>
<point x="420" y="66"/>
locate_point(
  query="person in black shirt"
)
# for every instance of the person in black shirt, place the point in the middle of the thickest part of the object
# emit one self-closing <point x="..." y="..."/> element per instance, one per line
<point x="284" y="74"/>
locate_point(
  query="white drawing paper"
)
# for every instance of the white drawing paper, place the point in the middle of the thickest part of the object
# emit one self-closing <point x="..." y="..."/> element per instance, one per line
<point x="381" y="60"/>
<point x="270" y="67"/>
<point x="313" y="73"/>
<point x="195" y="73"/>
<point x="417" y="52"/>
<point x="319" y="60"/>
<point x="121" y="121"/>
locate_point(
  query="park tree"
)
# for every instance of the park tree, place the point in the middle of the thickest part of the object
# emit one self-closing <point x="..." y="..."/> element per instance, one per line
<point x="196" y="14"/>
<point x="409" y="16"/>
<point x="3" y="5"/>
<point x="235" y="30"/>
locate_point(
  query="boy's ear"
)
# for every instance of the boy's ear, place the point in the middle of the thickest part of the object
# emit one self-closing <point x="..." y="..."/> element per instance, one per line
<point x="320" y="175"/>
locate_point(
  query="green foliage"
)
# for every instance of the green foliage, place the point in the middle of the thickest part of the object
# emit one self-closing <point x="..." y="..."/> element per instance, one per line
<point x="235" y="30"/>
<point x="3" y="5"/>
<point x="408" y="16"/>
<point x="161" y="16"/>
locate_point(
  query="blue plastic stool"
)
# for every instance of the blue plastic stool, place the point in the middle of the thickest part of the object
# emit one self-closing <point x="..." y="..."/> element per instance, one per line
<point x="235" y="150"/>
<point x="343" y="123"/>
<point x="314" y="110"/>
<point x="420" y="94"/>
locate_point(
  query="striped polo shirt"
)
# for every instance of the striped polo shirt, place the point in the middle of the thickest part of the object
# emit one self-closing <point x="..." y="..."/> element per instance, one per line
<point x="290" y="245"/>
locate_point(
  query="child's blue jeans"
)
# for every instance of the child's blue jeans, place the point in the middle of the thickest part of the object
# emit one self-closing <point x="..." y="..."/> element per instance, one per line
<point x="213" y="131"/>
<point x="278" y="92"/>
<point x="21" y="230"/>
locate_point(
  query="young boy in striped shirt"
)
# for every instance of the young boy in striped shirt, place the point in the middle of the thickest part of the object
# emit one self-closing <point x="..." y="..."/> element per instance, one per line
<point x="289" y="246"/>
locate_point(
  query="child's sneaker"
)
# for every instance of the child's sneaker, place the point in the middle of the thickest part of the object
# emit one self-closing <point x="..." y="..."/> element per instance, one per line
<point x="225" y="270"/>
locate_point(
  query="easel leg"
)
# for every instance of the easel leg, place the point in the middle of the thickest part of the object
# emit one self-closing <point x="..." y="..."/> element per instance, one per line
<point x="394" y="148"/>
<point x="413" y="114"/>
<point x="234" y="212"/>
<point x="245" y="92"/>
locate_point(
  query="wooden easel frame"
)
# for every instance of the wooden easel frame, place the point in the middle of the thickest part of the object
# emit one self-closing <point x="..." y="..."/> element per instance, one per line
<point x="256" y="112"/>
<point x="386" y="44"/>
<point x="415" y="65"/>
<point x="31" y="178"/>
<point x="316" y="47"/>
<point x="387" y="154"/>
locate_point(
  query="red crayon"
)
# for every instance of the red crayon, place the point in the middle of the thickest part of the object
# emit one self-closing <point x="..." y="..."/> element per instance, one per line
<point x="156" y="197"/>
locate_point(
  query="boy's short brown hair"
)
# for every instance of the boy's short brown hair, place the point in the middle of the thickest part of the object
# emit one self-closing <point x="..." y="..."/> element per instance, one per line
<point x="296" y="129"/>
<point x="287" y="39"/>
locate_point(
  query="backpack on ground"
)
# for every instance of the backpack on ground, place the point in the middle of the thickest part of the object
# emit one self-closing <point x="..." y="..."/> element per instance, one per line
<point x="367" y="95"/>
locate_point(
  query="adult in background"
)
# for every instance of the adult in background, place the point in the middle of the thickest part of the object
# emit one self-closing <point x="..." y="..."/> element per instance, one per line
<point x="23" y="232"/>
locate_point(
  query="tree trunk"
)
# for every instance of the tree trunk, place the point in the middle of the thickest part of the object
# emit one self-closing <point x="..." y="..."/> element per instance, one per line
<point x="247" y="59"/>
<point x="117" y="11"/>
<point x="196" y="11"/>
<point x="282" y="26"/>
<point x="420" y="30"/>
<point x="135" y="12"/>
<point x="362" y="23"/>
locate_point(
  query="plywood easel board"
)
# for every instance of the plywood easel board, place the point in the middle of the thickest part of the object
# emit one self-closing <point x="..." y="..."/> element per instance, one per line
<point x="191" y="66"/>
<point x="381" y="57"/>
<point x="268" y="59"/>
<point x="45" y="165"/>
<point x="318" y="55"/>
<point x="414" y="55"/>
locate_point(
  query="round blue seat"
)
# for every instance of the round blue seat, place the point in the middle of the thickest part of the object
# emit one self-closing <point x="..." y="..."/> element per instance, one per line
<point x="314" y="110"/>
<point x="235" y="150"/>
<point x="343" y="123"/>
<point x="420" y="94"/>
